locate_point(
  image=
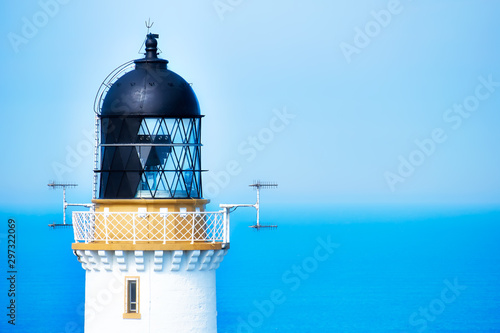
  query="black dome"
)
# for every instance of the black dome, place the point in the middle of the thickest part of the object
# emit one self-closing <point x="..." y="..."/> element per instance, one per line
<point x="151" y="90"/>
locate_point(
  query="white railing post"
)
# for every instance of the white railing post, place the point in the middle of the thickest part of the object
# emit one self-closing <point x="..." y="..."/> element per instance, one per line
<point x="164" y="228"/>
<point x="106" y="227"/>
<point x="214" y="227"/>
<point x="91" y="234"/>
<point x="133" y="228"/>
<point x="84" y="225"/>
<point x="79" y="226"/>
<point x="76" y="228"/>
<point x="84" y="228"/>
<point x="228" y="228"/>
<point x="192" y="231"/>
<point x="224" y="213"/>
<point x="87" y="227"/>
<point x="91" y="228"/>
<point x="225" y="226"/>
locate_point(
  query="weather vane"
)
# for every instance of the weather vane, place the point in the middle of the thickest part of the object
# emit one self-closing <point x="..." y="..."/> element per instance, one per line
<point x="149" y="24"/>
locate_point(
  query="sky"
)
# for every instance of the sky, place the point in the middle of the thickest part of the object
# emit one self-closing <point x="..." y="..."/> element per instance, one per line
<point x="365" y="102"/>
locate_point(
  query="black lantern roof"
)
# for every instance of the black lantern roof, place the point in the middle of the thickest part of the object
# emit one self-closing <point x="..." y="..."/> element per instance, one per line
<point x="151" y="90"/>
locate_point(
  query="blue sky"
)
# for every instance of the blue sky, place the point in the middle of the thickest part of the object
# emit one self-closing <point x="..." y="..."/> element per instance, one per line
<point x="339" y="102"/>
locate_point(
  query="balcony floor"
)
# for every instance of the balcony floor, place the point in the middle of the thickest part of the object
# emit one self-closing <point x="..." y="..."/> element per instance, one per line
<point x="149" y="246"/>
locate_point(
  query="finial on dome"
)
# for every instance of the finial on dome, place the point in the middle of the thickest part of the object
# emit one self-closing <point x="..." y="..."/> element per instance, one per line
<point x="152" y="46"/>
<point x="151" y="42"/>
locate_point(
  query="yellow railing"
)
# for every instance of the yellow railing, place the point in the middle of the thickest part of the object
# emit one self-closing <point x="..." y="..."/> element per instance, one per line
<point x="158" y="227"/>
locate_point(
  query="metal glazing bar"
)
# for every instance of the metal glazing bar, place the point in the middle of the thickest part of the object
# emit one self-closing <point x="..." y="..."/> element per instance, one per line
<point x="151" y="144"/>
<point x="159" y="170"/>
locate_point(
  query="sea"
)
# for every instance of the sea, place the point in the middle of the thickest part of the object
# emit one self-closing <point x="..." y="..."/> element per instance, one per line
<point x="327" y="269"/>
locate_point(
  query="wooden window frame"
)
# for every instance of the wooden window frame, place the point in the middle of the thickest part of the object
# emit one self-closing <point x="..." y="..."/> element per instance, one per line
<point x="128" y="313"/>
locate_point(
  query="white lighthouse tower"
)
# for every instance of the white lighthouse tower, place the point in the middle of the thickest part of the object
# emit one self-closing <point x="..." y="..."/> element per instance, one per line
<point x="149" y="248"/>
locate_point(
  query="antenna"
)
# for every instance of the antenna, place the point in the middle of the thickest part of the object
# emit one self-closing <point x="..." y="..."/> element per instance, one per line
<point x="55" y="185"/>
<point x="256" y="185"/>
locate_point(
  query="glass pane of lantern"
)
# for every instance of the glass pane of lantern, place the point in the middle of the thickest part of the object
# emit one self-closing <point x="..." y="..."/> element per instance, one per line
<point x="162" y="129"/>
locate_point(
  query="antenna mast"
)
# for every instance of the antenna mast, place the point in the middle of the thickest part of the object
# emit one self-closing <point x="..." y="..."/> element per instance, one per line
<point x="55" y="185"/>
<point x="256" y="185"/>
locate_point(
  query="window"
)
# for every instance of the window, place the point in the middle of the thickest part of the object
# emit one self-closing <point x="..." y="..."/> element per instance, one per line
<point x="132" y="298"/>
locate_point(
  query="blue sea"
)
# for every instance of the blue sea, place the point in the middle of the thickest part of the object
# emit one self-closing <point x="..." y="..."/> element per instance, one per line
<point x="331" y="269"/>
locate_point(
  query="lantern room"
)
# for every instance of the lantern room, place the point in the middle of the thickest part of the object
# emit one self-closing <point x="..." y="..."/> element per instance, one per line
<point x="150" y="146"/>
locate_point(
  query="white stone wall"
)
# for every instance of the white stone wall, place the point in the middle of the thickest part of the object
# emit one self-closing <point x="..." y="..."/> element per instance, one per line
<point x="177" y="290"/>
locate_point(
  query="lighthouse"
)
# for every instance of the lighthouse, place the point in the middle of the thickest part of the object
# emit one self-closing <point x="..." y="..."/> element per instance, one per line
<point x="148" y="246"/>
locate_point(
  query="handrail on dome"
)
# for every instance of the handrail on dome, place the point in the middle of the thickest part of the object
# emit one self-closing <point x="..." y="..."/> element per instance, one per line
<point x="108" y="82"/>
